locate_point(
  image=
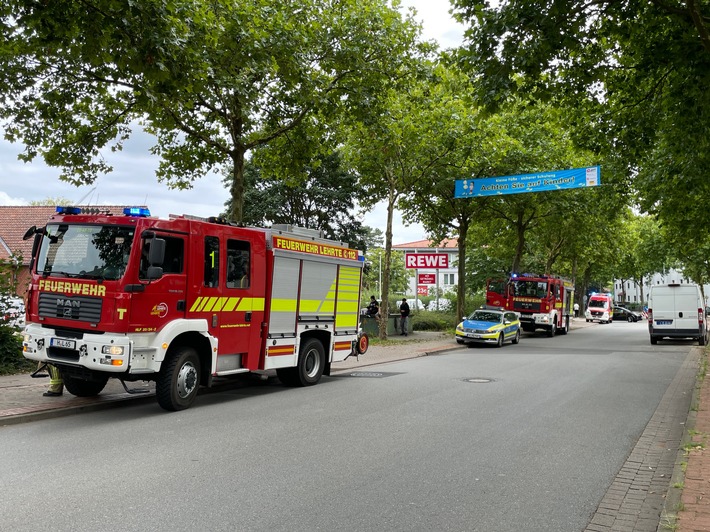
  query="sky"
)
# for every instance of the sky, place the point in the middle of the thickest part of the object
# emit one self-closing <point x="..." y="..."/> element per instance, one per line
<point x="133" y="180"/>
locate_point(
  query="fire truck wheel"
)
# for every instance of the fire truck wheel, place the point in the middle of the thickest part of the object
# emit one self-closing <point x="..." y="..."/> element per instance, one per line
<point x="565" y="326"/>
<point x="517" y="337"/>
<point x="82" y="388"/>
<point x="177" y="385"/>
<point x="500" y="340"/>
<point x="552" y="330"/>
<point x="311" y="362"/>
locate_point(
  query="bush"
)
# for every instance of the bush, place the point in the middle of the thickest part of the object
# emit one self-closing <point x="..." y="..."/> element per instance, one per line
<point x="433" y="321"/>
<point x="11" y="359"/>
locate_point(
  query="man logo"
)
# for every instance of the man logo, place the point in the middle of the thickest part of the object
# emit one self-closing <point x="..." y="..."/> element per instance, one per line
<point x="67" y="307"/>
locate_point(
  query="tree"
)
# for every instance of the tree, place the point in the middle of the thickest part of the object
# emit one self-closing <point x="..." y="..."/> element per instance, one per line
<point x="211" y="80"/>
<point x="631" y="76"/>
<point x="326" y="200"/>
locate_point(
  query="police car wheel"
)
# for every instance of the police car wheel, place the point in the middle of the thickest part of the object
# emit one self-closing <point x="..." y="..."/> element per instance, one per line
<point x="177" y="385"/>
<point x="500" y="340"/>
<point x="517" y="337"/>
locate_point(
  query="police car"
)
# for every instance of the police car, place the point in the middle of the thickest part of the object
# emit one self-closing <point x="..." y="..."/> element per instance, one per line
<point x="489" y="325"/>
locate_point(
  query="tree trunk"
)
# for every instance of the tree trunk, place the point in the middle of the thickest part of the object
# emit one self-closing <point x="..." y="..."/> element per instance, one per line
<point x="236" y="212"/>
<point x="384" y="304"/>
<point x="461" y="287"/>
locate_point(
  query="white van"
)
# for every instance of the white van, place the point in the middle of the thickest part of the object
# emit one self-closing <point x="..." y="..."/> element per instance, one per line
<point x="677" y="311"/>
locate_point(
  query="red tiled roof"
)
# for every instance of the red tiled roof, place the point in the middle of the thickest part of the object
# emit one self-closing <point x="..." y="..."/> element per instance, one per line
<point x="15" y="221"/>
<point x="450" y="243"/>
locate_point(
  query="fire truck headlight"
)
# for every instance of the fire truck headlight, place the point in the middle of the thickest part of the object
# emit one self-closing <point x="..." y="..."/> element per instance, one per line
<point x="112" y="350"/>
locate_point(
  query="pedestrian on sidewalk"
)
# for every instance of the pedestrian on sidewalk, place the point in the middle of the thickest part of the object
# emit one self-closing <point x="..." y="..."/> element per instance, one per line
<point x="56" y="384"/>
<point x="576" y="310"/>
<point x="403" y="316"/>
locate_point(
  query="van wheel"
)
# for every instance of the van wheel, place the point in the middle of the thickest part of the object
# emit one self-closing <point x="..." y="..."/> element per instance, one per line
<point x="654" y="340"/>
<point x="702" y="340"/>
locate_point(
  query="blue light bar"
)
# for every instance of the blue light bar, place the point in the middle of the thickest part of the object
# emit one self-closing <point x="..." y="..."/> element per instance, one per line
<point x="136" y="211"/>
<point x="68" y="210"/>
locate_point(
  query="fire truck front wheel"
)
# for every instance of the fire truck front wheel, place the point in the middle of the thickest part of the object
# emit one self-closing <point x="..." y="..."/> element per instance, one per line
<point x="84" y="388"/>
<point x="552" y="329"/>
<point x="177" y="385"/>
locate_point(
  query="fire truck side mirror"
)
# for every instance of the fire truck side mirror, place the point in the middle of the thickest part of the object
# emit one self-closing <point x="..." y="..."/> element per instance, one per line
<point x="156" y="255"/>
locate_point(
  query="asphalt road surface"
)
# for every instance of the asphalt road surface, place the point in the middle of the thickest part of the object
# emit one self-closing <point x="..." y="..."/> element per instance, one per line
<point x="523" y="438"/>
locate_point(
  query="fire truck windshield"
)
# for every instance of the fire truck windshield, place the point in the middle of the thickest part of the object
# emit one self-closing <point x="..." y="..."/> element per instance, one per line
<point x="529" y="288"/>
<point x="85" y="251"/>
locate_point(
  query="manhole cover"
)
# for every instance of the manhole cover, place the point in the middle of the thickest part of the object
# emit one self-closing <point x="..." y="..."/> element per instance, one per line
<point x="367" y="374"/>
<point x="478" y="380"/>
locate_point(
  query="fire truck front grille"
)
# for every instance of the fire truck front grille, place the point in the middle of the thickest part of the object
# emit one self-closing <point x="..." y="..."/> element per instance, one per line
<point x="526" y="306"/>
<point x="75" y="308"/>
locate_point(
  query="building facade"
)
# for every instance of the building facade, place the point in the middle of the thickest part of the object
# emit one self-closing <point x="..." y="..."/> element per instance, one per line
<point x="628" y="292"/>
<point x="432" y="281"/>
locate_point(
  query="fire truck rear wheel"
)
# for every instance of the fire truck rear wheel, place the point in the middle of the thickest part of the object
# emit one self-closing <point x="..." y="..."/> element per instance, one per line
<point x="82" y="388"/>
<point x="179" y="380"/>
<point x="311" y="362"/>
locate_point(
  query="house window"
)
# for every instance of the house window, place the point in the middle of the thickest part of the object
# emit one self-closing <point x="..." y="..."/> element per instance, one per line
<point x="449" y="279"/>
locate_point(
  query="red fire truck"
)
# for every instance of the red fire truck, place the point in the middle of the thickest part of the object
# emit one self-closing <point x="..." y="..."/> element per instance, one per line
<point x="543" y="302"/>
<point x="185" y="300"/>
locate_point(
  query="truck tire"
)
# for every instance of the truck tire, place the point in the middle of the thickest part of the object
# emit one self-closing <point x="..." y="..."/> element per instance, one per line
<point x="83" y="388"/>
<point x="179" y="380"/>
<point x="552" y="330"/>
<point x="311" y="362"/>
<point x="565" y="326"/>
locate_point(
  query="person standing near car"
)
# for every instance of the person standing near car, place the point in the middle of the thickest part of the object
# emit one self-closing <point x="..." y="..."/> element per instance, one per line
<point x="576" y="310"/>
<point x="403" y="316"/>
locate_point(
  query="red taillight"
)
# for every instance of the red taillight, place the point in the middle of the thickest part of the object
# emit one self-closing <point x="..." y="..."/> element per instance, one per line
<point x="649" y="313"/>
<point x="701" y="312"/>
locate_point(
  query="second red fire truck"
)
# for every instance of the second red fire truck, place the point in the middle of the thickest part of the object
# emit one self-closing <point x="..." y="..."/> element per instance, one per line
<point x="543" y="302"/>
<point x="183" y="301"/>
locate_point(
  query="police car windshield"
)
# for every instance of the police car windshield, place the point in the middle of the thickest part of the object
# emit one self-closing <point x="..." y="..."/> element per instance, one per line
<point x="486" y="316"/>
<point x="85" y="251"/>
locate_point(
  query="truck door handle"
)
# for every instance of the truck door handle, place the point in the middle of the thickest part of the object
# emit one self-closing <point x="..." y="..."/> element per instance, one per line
<point x="247" y="317"/>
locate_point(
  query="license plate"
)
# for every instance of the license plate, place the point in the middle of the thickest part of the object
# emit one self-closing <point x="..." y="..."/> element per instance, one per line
<point x="664" y="322"/>
<point x="474" y="335"/>
<point x="64" y="344"/>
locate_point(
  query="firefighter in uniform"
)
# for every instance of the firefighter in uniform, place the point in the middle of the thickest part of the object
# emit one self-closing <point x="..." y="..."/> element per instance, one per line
<point x="56" y="384"/>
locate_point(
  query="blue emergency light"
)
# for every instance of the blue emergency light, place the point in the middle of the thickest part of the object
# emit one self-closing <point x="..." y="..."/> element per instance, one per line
<point x="137" y="211"/>
<point x="68" y="210"/>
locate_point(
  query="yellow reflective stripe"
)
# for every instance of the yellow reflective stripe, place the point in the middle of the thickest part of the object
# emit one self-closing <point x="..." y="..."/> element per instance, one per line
<point x="309" y="306"/>
<point x="283" y="305"/>
<point x="229" y="304"/>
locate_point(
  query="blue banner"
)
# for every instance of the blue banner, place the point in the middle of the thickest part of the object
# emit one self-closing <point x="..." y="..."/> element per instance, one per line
<point x="519" y="184"/>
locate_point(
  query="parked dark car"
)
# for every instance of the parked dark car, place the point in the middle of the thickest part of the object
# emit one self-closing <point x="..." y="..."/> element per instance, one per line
<point x="624" y="314"/>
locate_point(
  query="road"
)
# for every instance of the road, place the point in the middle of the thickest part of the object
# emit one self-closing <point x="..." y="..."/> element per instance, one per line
<point x="527" y="437"/>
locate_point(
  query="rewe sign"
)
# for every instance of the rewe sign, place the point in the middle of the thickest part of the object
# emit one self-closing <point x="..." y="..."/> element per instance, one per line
<point x="430" y="261"/>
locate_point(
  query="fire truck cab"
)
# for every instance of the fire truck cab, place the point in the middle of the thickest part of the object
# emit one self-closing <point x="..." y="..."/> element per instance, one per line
<point x="543" y="302"/>
<point x="184" y="300"/>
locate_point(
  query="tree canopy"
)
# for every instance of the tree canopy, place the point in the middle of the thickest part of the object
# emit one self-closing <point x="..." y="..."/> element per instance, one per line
<point x="212" y="80"/>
